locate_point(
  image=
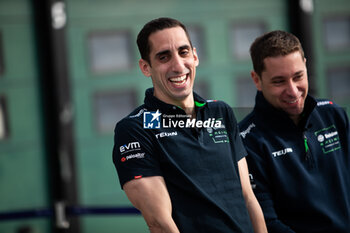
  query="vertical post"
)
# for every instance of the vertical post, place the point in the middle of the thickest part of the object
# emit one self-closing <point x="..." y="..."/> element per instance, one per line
<point x="50" y="27"/>
<point x="300" y="22"/>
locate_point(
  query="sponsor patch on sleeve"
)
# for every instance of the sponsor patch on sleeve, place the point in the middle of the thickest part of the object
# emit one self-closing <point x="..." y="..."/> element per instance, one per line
<point x="131" y="150"/>
<point x="325" y="102"/>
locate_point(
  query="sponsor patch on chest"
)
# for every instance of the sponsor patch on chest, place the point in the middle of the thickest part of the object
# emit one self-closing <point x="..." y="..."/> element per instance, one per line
<point x="328" y="139"/>
<point x="218" y="134"/>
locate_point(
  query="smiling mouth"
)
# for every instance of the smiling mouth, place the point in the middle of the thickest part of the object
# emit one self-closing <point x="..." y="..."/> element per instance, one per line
<point x="178" y="81"/>
<point x="293" y="101"/>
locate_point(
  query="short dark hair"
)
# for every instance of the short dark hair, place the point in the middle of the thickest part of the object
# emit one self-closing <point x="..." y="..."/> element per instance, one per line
<point x="154" y="26"/>
<point x="273" y="44"/>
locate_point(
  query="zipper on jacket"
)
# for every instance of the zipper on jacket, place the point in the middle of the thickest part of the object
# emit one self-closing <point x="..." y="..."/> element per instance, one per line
<point x="308" y="156"/>
<point x="306" y="147"/>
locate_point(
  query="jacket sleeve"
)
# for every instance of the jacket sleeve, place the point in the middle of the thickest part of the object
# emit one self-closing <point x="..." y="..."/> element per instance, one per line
<point x="236" y="141"/>
<point x="133" y="152"/>
<point x="261" y="182"/>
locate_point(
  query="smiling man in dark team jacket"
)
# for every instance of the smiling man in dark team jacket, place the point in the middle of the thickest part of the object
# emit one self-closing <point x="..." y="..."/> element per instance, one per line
<point x="298" y="147"/>
<point x="179" y="158"/>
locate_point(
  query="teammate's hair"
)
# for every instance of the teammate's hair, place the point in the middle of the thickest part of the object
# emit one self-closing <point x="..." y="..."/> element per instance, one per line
<point x="273" y="44"/>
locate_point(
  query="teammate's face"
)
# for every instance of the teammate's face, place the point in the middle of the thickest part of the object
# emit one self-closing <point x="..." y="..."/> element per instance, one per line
<point x="284" y="83"/>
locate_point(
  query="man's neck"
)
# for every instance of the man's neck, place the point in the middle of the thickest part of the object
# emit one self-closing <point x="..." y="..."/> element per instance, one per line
<point x="187" y="104"/>
<point x="295" y="119"/>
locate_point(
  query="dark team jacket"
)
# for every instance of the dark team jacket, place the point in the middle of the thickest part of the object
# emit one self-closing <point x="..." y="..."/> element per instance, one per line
<point x="199" y="165"/>
<point x="300" y="174"/>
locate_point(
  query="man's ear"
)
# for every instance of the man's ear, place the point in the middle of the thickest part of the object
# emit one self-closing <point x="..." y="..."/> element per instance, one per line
<point x="145" y="67"/>
<point x="195" y="56"/>
<point x="256" y="79"/>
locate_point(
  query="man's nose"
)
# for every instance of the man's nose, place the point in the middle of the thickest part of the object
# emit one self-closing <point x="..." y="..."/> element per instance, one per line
<point x="177" y="64"/>
<point x="292" y="88"/>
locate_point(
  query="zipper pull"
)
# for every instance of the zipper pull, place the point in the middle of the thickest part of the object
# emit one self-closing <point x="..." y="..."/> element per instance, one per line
<point x="308" y="157"/>
<point x="305" y="144"/>
<point x="306" y="148"/>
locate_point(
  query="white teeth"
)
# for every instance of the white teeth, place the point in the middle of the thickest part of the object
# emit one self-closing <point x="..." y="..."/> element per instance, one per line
<point x="292" y="102"/>
<point x="178" y="79"/>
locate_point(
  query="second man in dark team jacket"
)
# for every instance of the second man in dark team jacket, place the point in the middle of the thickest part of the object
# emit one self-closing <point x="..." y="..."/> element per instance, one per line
<point x="298" y="147"/>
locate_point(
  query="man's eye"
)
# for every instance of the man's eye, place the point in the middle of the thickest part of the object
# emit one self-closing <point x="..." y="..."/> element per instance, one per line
<point x="163" y="58"/>
<point x="277" y="81"/>
<point x="184" y="52"/>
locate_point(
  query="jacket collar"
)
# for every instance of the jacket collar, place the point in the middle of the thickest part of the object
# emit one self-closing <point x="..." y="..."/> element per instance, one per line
<point x="278" y="117"/>
<point x="154" y="103"/>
